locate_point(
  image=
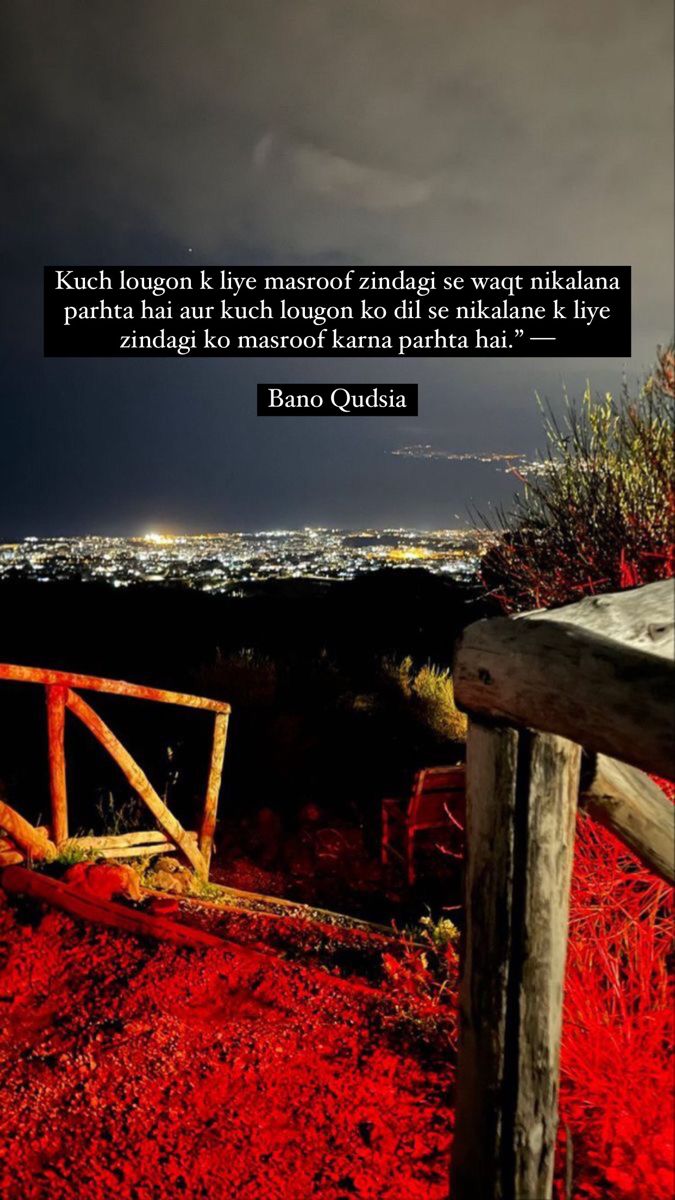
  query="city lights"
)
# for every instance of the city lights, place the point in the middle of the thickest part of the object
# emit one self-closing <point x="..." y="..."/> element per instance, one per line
<point x="227" y="562"/>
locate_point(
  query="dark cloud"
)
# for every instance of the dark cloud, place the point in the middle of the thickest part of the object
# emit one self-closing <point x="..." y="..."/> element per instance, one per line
<point x="405" y="131"/>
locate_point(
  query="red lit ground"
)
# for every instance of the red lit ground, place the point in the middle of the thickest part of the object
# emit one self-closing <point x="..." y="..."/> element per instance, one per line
<point x="142" y="1072"/>
<point x="129" y="1069"/>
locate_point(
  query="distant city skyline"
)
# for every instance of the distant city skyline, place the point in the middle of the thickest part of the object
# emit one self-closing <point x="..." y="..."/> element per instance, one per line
<point x="230" y="562"/>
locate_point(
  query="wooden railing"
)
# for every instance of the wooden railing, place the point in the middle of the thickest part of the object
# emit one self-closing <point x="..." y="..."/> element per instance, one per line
<point x="597" y="674"/>
<point x="62" y="693"/>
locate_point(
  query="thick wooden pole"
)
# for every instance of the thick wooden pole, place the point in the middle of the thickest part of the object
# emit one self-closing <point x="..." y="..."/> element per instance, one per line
<point x="521" y="807"/>
<point x="208" y="824"/>
<point x="492" y="756"/>
<point x="548" y="786"/>
<point x="56" y="716"/>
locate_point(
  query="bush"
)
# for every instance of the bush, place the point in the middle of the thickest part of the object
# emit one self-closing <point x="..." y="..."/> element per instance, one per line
<point x="598" y="513"/>
<point x="430" y="693"/>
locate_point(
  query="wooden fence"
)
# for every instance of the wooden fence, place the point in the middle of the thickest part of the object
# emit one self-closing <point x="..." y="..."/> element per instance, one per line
<point x="62" y="695"/>
<point x="600" y="675"/>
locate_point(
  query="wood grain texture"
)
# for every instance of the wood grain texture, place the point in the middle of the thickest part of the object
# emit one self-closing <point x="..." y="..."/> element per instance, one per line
<point x="56" y="717"/>
<point x="600" y="672"/>
<point x="208" y="823"/>
<point x="521" y="805"/>
<point x="492" y="757"/>
<point x="139" y="837"/>
<point x="548" y="786"/>
<point x="149" y="851"/>
<point x="632" y="806"/>
<point x="113" y="687"/>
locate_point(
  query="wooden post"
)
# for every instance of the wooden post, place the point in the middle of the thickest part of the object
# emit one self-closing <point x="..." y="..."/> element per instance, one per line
<point x="208" y="824"/>
<point x="56" y="717"/>
<point x="521" y="806"/>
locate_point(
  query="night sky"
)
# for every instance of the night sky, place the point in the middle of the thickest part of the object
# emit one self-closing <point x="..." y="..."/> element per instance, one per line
<point x="313" y="132"/>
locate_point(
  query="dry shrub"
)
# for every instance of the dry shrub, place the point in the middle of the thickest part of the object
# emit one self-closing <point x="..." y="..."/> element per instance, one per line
<point x="617" y="1076"/>
<point x="429" y="691"/>
<point x="599" y="513"/>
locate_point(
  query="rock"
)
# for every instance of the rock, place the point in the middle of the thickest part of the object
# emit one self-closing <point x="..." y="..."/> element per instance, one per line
<point x="178" y="880"/>
<point x="165" y="863"/>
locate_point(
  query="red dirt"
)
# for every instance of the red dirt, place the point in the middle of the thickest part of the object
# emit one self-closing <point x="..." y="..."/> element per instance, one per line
<point x="145" y="1071"/>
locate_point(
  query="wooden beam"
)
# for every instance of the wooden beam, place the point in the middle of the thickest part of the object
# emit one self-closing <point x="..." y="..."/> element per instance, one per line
<point x="146" y="851"/>
<point x="521" y="806"/>
<point x="633" y="807"/>
<point x="114" y="687"/>
<point x="208" y="825"/>
<point x="600" y="672"/>
<point x="20" y="881"/>
<point x="140" y="837"/>
<point x="26" y="836"/>
<point x="138" y="780"/>
<point x="56" y="717"/>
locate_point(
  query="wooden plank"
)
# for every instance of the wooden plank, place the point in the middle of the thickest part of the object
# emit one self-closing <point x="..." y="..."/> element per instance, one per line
<point x="27" y="837"/>
<point x="138" y="780"/>
<point x="633" y="807"/>
<point x="56" y="716"/>
<point x="208" y="824"/>
<point x="129" y="845"/>
<point x="521" y="806"/>
<point x="148" y="851"/>
<point x="135" y="838"/>
<point x="599" y="672"/>
<point x="114" y="687"/>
